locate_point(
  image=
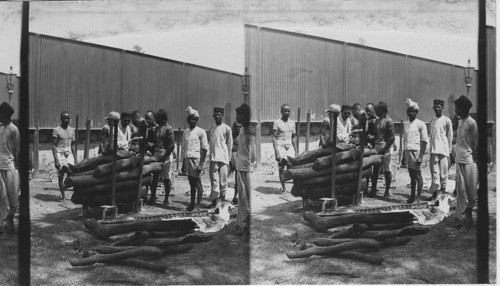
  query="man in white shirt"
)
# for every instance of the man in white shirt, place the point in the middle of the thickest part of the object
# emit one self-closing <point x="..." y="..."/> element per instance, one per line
<point x="194" y="151"/>
<point x="465" y="158"/>
<point x="414" y="144"/>
<point x="9" y="163"/>
<point x="284" y="139"/>
<point x="441" y="136"/>
<point x="63" y="148"/>
<point x="124" y="132"/>
<point x="344" y="126"/>
<point x="221" y="142"/>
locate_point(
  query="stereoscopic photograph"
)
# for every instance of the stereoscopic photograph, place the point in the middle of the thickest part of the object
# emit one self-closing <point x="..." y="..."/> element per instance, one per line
<point x="218" y="142"/>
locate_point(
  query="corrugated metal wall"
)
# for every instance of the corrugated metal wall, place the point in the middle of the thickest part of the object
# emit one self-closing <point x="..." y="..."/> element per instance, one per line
<point x="311" y="73"/>
<point x="4" y="95"/>
<point x="90" y="80"/>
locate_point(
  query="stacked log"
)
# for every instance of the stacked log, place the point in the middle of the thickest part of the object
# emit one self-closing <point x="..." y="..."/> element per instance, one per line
<point x="149" y="242"/>
<point x="311" y="171"/>
<point x="91" y="179"/>
<point x="367" y="233"/>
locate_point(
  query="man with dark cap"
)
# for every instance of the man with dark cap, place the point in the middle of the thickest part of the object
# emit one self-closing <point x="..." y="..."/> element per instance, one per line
<point x="284" y="139"/>
<point x="220" y="142"/>
<point x="194" y="152"/>
<point x="441" y="136"/>
<point x="163" y="147"/>
<point x="344" y="126"/>
<point x="414" y="145"/>
<point x="384" y="139"/>
<point x="243" y="163"/>
<point x="371" y="131"/>
<point x="124" y="132"/>
<point x="63" y="148"/>
<point x="465" y="158"/>
<point x="9" y="163"/>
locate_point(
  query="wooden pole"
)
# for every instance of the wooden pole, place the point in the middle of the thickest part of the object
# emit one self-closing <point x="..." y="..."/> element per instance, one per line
<point x="298" y="132"/>
<point x="333" y="138"/>
<point x="143" y="131"/>
<point x="401" y="132"/>
<point x="362" y="122"/>
<point x="179" y="142"/>
<point x="308" y="129"/>
<point x="76" y="136"/>
<point x="87" y="139"/>
<point x="258" y="137"/>
<point x="36" y="153"/>
<point x="114" y="132"/>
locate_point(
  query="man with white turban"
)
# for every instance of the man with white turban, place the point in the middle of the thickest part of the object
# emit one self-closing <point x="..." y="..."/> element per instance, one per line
<point x="414" y="144"/>
<point x="194" y="151"/>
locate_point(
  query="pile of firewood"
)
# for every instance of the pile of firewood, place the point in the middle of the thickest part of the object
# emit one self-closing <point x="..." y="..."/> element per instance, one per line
<point x="311" y="171"/>
<point x="369" y="233"/>
<point x="150" y="241"/>
<point x="91" y="179"/>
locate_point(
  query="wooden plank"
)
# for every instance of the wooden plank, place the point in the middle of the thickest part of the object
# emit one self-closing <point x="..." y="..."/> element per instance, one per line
<point x="36" y="152"/>
<point x="87" y="139"/>
<point x="308" y="129"/>
<point x="114" y="132"/>
<point x="179" y="142"/>
<point x="333" y="136"/>
<point x="258" y="138"/>
<point x="143" y="131"/>
<point x="298" y="132"/>
<point x="362" y="122"/>
<point x="76" y="135"/>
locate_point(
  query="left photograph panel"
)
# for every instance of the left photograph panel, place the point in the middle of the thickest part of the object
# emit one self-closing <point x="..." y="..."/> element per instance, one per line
<point x="122" y="105"/>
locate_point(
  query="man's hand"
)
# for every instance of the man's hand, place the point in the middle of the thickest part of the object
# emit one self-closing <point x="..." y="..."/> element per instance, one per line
<point x="277" y="156"/>
<point x="183" y="169"/>
<point x="419" y="160"/>
<point x="403" y="160"/>
<point x="57" y="164"/>
<point x="199" y="168"/>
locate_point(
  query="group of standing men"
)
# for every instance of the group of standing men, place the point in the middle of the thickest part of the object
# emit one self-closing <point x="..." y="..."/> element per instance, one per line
<point x="380" y="135"/>
<point x="224" y="155"/>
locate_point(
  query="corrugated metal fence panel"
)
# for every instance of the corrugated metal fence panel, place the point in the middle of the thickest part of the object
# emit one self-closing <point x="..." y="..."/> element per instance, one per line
<point x="206" y="89"/>
<point x="90" y="80"/>
<point x="428" y="81"/>
<point x="80" y="79"/>
<point x="375" y="76"/>
<point x="292" y="70"/>
<point x="152" y="84"/>
<point x="308" y="72"/>
<point x="491" y="58"/>
<point x="4" y="95"/>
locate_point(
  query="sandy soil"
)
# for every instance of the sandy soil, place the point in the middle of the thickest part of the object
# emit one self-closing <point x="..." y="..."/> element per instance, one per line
<point x="441" y="256"/>
<point x="58" y="234"/>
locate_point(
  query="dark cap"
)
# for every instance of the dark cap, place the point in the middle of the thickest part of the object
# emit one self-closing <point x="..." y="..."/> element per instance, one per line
<point x="6" y="108"/>
<point x="463" y="101"/>
<point x="219" y="109"/>
<point x="125" y="116"/>
<point x="346" y="107"/>
<point x="439" y="101"/>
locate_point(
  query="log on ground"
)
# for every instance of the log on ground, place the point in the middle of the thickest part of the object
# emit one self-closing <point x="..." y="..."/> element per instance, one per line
<point x="354" y="230"/>
<point x="350" y="167"/>
<point x="342" y="157"/>
<point x="105" y="189"/>
<point x="140" y="251"/>
<point x="82" y="181"/>
<point x="329" y="250"/>
<point x="128" y="240"/>
<point x="324" y="223"/>
<point x="91" y="163"/>
<point x="103" y="232"/>
<point x="326" y="180"/>
<point x="310" y="156"/>
<point x="163" y="242"/>
<point x="123" y="164"/>
<point x="315" y="193"/>
<point x="407" y="231"/>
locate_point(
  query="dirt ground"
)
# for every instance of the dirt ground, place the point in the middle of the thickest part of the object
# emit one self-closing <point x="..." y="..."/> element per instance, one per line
<point x="58" y="231"/>
<point x="442" y="256"/>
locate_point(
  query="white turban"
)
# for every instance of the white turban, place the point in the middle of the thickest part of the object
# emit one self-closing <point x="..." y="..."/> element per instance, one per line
<point x="412" y="104"/>
<point x="192" y="112"/>
<point x="333" y="108"/>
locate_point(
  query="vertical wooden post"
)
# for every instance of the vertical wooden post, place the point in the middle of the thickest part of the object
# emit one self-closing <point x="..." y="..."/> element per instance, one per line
<point x="362" y="122"/>
<point x="143" y="131"/>
<point x="401" y="133"/>
<point x="298" y="132"/>
<point x="179" y="142"/>
<point x="333" y="137"/>
<point x="493" y="146"/>
<point x="76" y="136"/>
<point x="87" y="139"/>
<point x="114" y="132"/>
<point x="36" y="151"/>
<point x="258" y="138"/>
<point x="308" y="129"/>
